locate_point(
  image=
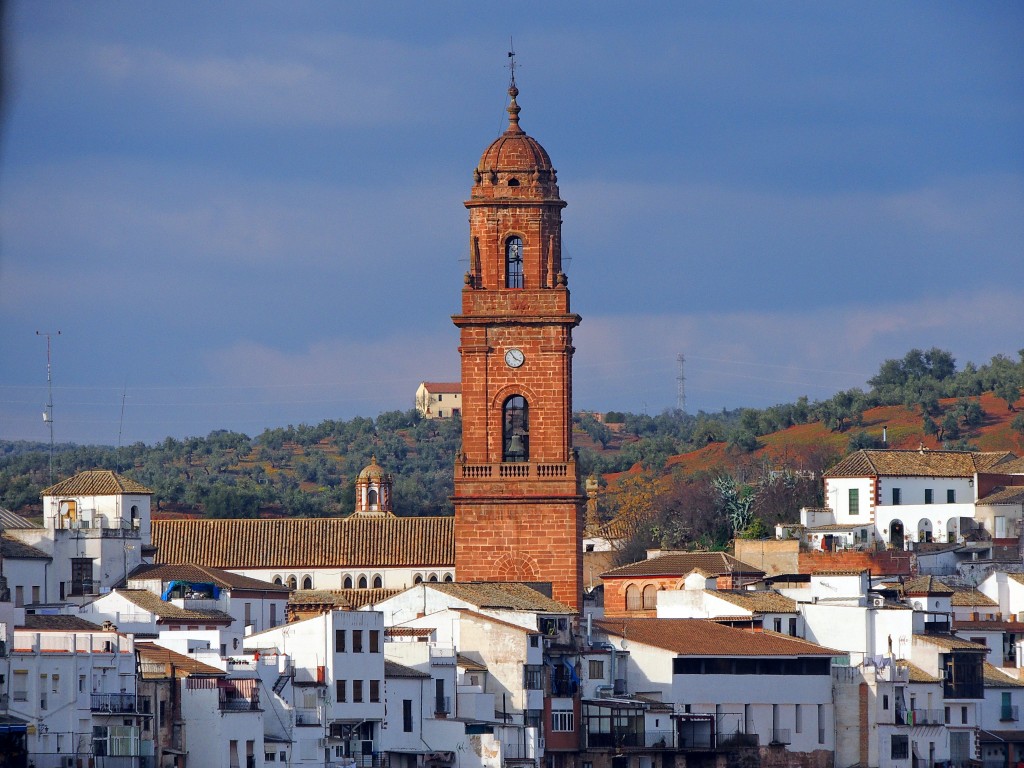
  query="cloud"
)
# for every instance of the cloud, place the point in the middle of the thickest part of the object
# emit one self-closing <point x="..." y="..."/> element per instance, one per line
<point x="756" y="359"/>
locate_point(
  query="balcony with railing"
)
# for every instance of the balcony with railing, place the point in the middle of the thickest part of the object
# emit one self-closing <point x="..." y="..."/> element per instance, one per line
<point x="307" y="716"/>
<point x="53" y="642"/>
<point x="238" y="704"/>
<point x="1008" y="713"/>
<point x="119" y="703"/>
<point x="516" y="469"/>
<point x="442" y="705"/>
<point x="926" y="717"/>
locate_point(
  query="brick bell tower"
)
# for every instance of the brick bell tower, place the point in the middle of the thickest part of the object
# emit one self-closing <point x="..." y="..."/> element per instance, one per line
<point x="518" y="505"/>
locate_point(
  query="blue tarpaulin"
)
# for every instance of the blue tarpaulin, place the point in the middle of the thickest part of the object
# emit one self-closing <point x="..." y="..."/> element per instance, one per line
<point x="192" y="586"/>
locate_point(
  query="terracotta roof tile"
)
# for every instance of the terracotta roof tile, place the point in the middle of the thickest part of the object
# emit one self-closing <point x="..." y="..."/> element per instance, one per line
<point x="758" y="601"/>
<point x="198" y="573"/>
<point x="152" y="655"/>
<point x="470" y="664"/>
<point x="682" y="563"/>
<point x="949" y="642"/>
<point x="899" y="463"/>
<point x="916" y="674"/>
<point x="351" y="598"/>
<point x="925" y="585"/>
<point x="394" y="669"/>
<point x="1012" y="495"/>
<point x="19" y="550"/>
<point x="700" y="637"/>
<point x="464" y="612"/>
<point x="445" y="387"/>
<point x="964" y="597"/>
<point x="1009" y="467"/>
<point x="96" y="482"/>
<point x="308" y="542"/>
<point x="60" y="622"/>
<point x="996" y="679"/>
<point x="169" y="611"/>
<point x="408" y="631"/>
<point x="501" y="594"/>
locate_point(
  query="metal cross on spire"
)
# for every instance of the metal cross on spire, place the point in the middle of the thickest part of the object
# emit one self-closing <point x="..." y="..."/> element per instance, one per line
<point x="512" y="63"/>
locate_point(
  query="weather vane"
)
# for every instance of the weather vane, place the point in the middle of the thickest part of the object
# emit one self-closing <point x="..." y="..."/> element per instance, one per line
<point x="512" y="62"/>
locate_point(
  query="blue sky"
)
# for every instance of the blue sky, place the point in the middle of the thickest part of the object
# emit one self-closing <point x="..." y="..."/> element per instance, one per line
<point x="247" y="215"/>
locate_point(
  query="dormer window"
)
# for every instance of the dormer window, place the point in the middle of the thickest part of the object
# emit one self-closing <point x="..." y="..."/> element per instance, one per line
<point x="514" y="262"/>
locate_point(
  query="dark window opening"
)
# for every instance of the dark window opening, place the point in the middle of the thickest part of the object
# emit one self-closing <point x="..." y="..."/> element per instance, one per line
<point x="515" y="429"/>
<point x="514" y="262"/>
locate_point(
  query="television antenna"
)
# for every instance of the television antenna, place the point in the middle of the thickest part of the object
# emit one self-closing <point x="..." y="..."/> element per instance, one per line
<point x="48" y="410"/>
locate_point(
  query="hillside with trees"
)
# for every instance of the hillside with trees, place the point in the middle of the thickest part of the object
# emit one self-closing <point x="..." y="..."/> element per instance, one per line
<point x="709" y="476"/>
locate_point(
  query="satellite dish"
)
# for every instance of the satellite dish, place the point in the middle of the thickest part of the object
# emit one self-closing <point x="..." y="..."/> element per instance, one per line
<point x="624" y="644"/>
<point x="917" y="605"/>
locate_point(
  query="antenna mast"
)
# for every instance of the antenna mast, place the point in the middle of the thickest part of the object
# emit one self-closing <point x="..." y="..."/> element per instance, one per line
<point x="48" y="411"/>
<point x="681" y="381"/>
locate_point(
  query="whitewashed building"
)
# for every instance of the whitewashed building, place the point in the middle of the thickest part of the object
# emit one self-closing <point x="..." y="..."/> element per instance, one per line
<point x="96" y="529"/>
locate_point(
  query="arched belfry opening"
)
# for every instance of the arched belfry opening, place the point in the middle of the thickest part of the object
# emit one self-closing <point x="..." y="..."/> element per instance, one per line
<point x="515" y="431"/>
<point x="514" y="262"/>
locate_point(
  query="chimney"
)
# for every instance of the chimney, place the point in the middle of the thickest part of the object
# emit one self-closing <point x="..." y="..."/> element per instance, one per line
<point x="885" y="434"/>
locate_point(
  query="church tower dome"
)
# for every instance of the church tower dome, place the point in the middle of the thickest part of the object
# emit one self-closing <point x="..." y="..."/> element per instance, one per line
<point x="373" y="491"/>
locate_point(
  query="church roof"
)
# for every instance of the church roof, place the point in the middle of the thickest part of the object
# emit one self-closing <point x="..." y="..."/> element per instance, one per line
<point x="514" y="150"/>
<point x="308" y="542"/>
<point x="96" y="482"/>
<point x="922" y="463"/>
<point x="373" y="470"/>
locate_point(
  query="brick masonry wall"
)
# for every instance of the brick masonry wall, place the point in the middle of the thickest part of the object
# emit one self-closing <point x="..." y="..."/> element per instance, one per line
<point x="530" y="527"/>
<point x="528" y="541"/>
<point x="887" y="563"/>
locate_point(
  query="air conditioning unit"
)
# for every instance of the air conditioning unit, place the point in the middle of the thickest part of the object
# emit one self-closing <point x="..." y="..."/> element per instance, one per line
<point x="878" y="602"/>
<point x="322" y="743"/>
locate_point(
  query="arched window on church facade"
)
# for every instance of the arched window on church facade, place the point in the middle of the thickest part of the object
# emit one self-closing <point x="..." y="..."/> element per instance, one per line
<point x="515" y="429"/>
<point x="650" y="597"/>
<point x="371" y="498"/>
<point x="633" y="598"/>
<point x="347" y="583"/>
<point x="514" y="262"/>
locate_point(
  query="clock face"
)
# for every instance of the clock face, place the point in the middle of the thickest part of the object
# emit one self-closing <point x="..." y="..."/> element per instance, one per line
<point x="514" y="358"/>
